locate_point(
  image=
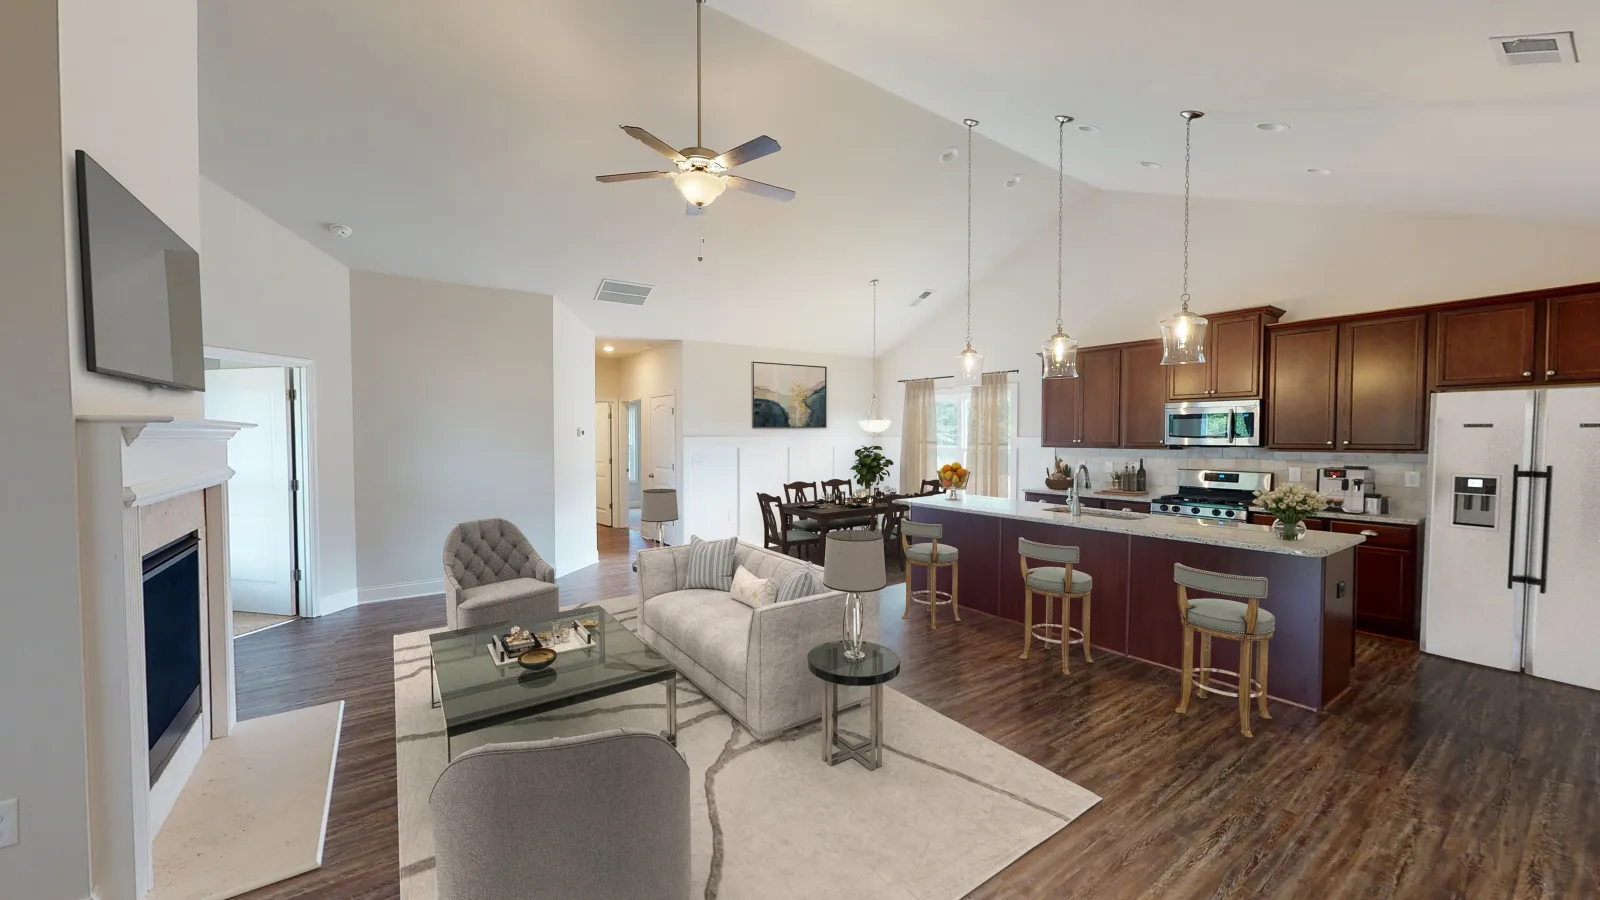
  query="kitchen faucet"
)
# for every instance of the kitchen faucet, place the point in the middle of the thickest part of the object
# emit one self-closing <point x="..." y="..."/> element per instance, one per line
<point x="1080" y="483"/>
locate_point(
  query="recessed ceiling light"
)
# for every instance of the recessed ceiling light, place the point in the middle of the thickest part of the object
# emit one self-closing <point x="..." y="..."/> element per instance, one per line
<point x="1317" y="170"/>
<point x="608" y="348"/>
<point x="1149" y="165"/>
<point x="340" y="231"/>
<point x="1272" y="126"/>
<point x="950" y="154"/>
<point x="1088" y="129"/>
<point x="1014" y="180"/>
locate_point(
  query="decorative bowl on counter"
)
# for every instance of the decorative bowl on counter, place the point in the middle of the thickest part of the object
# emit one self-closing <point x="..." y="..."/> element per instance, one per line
<point x="1058" y="482"/>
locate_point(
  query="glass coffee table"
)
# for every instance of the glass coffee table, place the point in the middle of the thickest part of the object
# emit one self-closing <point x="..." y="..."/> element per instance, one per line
<point x="477" y="694"/>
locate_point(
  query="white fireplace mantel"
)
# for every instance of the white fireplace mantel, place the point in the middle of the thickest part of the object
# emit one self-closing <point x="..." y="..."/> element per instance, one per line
<point x="125" y="465"/>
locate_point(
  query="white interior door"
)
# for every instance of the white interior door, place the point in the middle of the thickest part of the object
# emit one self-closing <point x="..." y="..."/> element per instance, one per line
<point x="662" y="441"/>
<point x="604" y="462"/>
<point x="1564" y="643"/>
<point x="260" y="504"/>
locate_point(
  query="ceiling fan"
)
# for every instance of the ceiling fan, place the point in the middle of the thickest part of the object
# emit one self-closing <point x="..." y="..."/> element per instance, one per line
<point x="701" y="175"/>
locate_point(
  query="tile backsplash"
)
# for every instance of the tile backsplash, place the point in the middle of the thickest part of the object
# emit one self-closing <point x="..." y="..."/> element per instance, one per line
<point x="1161" y="468"/>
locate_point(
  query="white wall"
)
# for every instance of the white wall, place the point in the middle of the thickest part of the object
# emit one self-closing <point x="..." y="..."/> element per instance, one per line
<point x="130" y="99"/>
<point x="573" y="379"/>
<point x="454" y="420"/>
<point x="1123" y="274"/>
<point x="267" y="291"/>
<point x="726" y="461"/>
<point x="42" y="756"/>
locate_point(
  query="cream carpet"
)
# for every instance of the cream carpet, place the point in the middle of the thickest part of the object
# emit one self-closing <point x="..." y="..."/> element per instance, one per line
<point x="250" y="622"/>
<point x="255" y="811"/>
<point x="948" y="809"/>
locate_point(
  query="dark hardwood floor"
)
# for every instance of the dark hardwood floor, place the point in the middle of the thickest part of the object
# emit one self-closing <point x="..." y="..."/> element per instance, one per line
<point x="1431" y="779"/>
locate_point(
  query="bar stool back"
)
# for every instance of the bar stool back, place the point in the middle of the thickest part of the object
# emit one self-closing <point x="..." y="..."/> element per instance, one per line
<point x="1065" y="581"/>
<point x="932" y="556"/>
<point x="1211" y="616"/>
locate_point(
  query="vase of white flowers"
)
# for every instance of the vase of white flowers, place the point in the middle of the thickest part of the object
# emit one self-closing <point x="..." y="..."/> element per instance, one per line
<point x="1290" y="505"/>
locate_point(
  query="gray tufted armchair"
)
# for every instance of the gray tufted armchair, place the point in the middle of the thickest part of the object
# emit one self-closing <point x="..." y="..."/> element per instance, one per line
<point x="492" y="574"/>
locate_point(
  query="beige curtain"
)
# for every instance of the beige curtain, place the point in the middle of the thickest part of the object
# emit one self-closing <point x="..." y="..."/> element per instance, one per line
<point x="918" y="442"/>
<point x="988" y="428"/>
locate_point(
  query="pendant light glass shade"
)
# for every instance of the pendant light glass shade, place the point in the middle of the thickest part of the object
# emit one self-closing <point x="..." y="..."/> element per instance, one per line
<point x="873" y="422"/>
<point x="969" y="368"/>
<point x="1183" y="334"/>
<point x="1059" y="356"/>
<point x="969" y="362"/>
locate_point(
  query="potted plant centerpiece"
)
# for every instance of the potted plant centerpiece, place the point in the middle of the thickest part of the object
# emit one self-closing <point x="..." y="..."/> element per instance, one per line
<point x="871" y="467"/>
<point x="1290" y="506"/>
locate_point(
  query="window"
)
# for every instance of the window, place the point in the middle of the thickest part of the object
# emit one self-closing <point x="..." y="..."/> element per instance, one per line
<point x="951" y="417"/>
<point x="633" y="442"/>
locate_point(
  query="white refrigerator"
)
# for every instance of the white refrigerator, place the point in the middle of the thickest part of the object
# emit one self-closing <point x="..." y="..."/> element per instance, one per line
<point x="1511" y="571"/>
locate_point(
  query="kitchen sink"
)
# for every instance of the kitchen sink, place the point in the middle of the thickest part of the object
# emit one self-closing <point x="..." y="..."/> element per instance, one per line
<point x="1102" y="513"/>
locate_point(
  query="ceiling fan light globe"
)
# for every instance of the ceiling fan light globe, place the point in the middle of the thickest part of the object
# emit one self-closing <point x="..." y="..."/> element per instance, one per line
<point x="699" y="186"/>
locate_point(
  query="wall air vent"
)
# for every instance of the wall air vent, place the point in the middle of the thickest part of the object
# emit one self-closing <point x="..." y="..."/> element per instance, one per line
<point x="1555" y="48"/>
<point x="921" y="297"/>
<point x="612" y="291"/>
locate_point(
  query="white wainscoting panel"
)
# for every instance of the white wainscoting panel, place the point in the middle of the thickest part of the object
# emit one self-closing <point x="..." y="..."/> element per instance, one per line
<point x="710" y="502"/>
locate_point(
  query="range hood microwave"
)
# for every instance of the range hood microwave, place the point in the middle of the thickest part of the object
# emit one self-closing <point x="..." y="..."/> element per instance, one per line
<point x="1219" y="423"/>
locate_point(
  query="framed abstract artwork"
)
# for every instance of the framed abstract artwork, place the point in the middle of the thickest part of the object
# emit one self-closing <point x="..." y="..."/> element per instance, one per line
<point x="785" y="396"/>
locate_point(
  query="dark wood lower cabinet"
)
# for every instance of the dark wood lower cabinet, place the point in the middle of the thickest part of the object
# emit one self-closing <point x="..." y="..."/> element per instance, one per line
<point x="1388" y="594"/>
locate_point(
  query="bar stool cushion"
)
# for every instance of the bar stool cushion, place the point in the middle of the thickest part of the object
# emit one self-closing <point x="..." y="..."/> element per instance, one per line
<point x="1218" y="614"/>
<point x="923" y="553"/>
<point x="1053" y="580"/>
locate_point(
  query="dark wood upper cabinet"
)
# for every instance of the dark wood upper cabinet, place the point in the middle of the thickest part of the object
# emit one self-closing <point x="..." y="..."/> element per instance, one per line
<point x="1302" y="386"/>
<point x="1062" y="413"/>
<point x="1484" y="346"/>
<point x="1234" y="365"/>
<point x="1100" y="386"/>
<point x="1144" y="396"/>
<point x="1383" y="392"/>
<point x="1572" y="339"/>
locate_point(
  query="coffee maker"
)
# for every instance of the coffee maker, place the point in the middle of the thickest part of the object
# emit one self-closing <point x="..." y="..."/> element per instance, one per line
<point x="1346" y="487"/>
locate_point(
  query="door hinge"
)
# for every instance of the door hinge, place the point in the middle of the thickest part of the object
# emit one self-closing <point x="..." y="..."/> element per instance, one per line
<point x="293" y="394"/>
<point x="294" y="485"/>
<point x="297" y="575"/>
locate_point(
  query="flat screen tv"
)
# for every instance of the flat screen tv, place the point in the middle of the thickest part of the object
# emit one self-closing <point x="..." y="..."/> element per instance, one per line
<point x="141" y="288"/>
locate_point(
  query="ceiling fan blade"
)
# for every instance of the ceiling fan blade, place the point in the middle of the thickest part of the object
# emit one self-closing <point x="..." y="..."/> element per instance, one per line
<point x="749" y="150"/>
<point x="771" y="191"/>
<point x="632" y="176"/>
<point x="694" y="210"/>
<point x="655" y="143"/>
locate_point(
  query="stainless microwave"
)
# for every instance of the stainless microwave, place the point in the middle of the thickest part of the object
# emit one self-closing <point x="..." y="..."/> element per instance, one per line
<point x="1220" y="423"/>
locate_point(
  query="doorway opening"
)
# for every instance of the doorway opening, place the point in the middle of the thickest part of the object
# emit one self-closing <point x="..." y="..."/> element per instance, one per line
<point x="632" y="436"/>
<point x="268" y="515"/>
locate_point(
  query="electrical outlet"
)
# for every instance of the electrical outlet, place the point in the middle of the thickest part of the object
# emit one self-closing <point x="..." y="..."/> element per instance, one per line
<point x="8" y="823"/>
<point x="1110" y="467"/>
<point x="1413" y="478"/>
<point x="1294" y="473"/>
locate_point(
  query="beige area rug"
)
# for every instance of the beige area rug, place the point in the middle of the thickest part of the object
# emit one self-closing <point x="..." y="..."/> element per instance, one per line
<point x="255" y="811"/>
<point x="948" y="809"/>
<point x="250" y="622"/>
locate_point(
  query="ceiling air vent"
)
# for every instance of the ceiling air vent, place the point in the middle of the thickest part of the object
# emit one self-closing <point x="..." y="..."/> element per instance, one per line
<point x="921" y="297"/>
<point x="1535" y="49"/>
<point x="612" y="291"/>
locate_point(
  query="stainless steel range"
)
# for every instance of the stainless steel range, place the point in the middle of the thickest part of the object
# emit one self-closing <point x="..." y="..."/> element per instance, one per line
<point x="1213" y="495"/>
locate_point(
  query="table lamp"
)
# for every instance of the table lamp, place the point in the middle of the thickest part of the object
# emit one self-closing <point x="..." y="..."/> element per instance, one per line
<point x="855" y="566"/>
<point x="660" y="505"/>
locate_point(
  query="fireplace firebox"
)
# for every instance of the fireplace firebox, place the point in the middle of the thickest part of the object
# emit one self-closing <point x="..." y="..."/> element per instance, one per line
<point x="171" y="646"/>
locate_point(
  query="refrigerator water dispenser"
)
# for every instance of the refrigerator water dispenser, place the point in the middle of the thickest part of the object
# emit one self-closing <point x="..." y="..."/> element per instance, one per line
<point x="1475" y="501"/>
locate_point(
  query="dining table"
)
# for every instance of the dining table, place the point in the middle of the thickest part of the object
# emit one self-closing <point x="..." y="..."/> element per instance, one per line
<point x="831" y="515"/>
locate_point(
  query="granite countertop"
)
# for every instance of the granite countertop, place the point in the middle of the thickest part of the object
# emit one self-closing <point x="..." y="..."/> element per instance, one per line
<point x="1176" y="528"/>
<point x="1098" y="495"/>
<point x="1358" y="517"/>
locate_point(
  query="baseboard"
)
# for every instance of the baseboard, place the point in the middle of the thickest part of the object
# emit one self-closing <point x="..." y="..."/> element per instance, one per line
<point x="582" y="562"/>
<point x="335" y="602"/>
<point x="403" y="591"/>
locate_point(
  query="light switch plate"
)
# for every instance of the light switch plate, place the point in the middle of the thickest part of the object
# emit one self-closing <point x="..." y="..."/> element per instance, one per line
<point x="1413" y="478"/>
<point x="8" y="823"/>
<point x="1110" y="467"/>
<point x="1294" y="473"/>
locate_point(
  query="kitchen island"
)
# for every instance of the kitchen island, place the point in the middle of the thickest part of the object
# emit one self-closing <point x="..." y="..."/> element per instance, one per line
<point x="1134" y="601"/>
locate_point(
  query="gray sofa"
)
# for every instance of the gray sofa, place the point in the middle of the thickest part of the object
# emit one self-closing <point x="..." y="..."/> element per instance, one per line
<point x="492" y="574"/>
<point x="752" y="662"/>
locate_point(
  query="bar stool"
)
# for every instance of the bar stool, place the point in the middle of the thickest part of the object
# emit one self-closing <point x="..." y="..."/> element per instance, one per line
<point x="1052" y="582"/>
<point x="933" y="556"/>
<point x="1211" y="617"/>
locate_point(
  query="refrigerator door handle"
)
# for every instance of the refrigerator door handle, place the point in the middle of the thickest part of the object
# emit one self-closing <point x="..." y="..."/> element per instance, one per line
<point x="1544" y="551"/>
<point x="1511" y="555"/>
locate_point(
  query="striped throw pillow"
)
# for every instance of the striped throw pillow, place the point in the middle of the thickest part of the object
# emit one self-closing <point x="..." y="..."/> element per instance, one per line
<point x="711" y="564"/>
<point x="802" y="582"/>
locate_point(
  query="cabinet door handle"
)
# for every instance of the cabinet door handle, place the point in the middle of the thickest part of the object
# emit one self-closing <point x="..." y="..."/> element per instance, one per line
<point x="1368" y="532"/>
<point x="1347" y="443"/>
<point x="1527" y="374"/>
<point x="1549" y="372"/>
<point x="1330" y="443"/>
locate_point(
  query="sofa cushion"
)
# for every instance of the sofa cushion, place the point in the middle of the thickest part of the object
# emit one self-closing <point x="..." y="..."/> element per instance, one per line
<point x="753" y="591"/>
<point x="708" y="625"/>
<point x="711" y="564"/>
<point x="767" y="563"/>
<point x="1053" y="579"/>
<point x="503" y="592"/>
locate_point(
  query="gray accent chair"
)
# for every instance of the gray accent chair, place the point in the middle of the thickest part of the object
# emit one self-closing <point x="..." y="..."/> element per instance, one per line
<point x="533" y="820"/>
<point x="752" y="662"/>
<point x="492" y="574"/>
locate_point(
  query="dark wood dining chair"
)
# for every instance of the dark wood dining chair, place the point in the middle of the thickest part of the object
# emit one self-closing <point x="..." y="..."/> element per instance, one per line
<point x="932" y="486"/>
<point x="800" y="492"/>
<point x="777" y="533"/>
<point x="893" y="515"/>
<point x="837" y="489"/>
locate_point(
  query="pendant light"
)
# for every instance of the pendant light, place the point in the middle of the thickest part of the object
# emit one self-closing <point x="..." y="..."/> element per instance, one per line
<point x="873" y="422"/>
<point x="969" y="362"/>
<point x="1060" y="353"/>
<point x="1183" y="336"/>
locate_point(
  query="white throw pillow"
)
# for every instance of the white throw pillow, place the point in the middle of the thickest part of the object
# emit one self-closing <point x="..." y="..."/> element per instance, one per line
<point x="752" y="591"/>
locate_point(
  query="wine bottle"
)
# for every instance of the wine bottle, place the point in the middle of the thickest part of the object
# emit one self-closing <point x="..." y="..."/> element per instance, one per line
<point x="1141" y="482"/>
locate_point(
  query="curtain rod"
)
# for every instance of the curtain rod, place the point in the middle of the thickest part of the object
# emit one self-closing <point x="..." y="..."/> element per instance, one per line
<point x="942" y="377"/>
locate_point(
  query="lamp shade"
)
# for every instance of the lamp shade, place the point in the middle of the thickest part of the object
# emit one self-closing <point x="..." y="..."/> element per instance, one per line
<point x="1183" y="339"/>
<point x="854" y="562"/>
<point x="660" y="505"/>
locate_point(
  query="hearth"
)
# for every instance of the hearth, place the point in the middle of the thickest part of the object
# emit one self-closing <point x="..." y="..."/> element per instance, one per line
<point x="172" y="663"/>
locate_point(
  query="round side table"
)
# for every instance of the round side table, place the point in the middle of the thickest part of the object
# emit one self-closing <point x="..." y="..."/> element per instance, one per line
<point x="828" y="662"/>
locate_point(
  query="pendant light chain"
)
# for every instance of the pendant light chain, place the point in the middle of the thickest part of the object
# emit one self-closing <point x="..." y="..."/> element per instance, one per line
<point x="1061" y="205"/>
<point x="970" y="123"/>
<point x="874" y="337"/>
<point x="1188" y="131"/>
